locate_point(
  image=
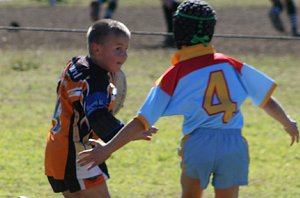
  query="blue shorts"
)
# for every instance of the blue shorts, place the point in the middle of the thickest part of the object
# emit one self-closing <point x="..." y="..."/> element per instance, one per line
<point x="220" y="153"/>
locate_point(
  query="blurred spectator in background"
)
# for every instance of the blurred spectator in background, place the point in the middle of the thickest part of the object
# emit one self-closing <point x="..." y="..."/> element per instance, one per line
<point x="95" y="8"/>
<point x="277" y="8"/>
<point x="169" y="7"/>
<point x="52" y="2"/>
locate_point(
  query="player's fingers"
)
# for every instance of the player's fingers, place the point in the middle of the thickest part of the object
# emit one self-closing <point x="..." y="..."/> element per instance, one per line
<point x="84" y="161"/>
<point x="93" y="142"/>
<point x="295" y="137"/>
<point x="148" y="138"/>
<point x="153" y="129"/>
<point x="85" y="153"/>
<point x="84" y="157"/>
<point x="297" y="134"/>
<point x="92" y="165"/>
<point x="292" y="141"/>
<point x="81" y="161"/>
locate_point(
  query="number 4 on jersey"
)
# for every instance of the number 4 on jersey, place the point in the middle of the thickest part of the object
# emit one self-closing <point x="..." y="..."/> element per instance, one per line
<point x="217" y="88"/>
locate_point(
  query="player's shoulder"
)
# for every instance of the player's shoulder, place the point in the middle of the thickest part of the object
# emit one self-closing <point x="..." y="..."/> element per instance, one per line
<point x="78" y="69"/>
<point x="235" y="63"/>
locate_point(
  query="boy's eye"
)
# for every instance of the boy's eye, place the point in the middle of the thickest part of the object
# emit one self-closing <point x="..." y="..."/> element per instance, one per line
<point x="120" y="50"/>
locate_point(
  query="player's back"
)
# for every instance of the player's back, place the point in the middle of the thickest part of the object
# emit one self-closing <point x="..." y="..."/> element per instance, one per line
<point x="208" y="92"/>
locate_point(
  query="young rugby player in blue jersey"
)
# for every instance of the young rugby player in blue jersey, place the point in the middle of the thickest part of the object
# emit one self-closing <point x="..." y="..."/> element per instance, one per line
<point x="208" y="89"/>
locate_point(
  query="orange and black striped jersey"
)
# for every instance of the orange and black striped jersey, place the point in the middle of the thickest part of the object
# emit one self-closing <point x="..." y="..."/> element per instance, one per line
<point x="82" y="111"/>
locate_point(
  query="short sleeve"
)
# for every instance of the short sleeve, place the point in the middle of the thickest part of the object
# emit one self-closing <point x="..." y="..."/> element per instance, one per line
<point x="258" y="85"/>
<point x="154" y="105"/>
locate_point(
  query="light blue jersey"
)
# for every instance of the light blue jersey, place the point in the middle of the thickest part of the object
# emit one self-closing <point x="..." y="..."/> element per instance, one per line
<point x="207" y="88"/>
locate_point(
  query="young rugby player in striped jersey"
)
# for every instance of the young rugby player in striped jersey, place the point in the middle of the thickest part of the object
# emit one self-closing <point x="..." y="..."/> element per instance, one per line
<point x="83" y="110"/>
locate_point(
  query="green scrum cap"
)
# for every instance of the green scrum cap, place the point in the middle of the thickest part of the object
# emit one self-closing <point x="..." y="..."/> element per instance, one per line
<point x="193" y="23"/>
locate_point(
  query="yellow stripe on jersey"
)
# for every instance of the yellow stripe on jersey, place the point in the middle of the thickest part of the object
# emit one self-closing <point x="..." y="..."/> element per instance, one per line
<point x="143" y="121"/>
<point x="268" y="96"/>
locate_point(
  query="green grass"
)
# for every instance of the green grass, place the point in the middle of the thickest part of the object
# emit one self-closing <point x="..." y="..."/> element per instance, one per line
<point x="219" y="3"/>
<point x="141" y="169"/>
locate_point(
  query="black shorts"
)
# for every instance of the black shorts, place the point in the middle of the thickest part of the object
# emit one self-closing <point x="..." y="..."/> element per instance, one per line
<point x="73" y="184"/>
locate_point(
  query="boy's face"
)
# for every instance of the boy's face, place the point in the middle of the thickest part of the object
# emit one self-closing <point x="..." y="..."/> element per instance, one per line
<point x="111" y="54"/>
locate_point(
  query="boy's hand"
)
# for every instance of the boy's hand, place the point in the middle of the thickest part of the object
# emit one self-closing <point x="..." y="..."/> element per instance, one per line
<point x="94" y="156"/>
<point x="293" y="131"/>
<point x="146" y="135"/>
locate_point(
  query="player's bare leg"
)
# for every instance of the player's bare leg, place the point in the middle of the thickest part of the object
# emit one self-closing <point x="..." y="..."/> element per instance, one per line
<point x="98" y="191"/>
<point x="68" y="194"/>
<point x="190" y="187"/>
<point x="232" y="192"/>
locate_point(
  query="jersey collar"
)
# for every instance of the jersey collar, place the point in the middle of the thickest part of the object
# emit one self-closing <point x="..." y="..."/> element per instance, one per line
<point x="94" y="66"/>
<point x="192" y="52"/>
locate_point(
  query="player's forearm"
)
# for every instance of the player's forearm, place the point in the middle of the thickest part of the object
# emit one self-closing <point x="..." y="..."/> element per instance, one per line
<point x="276" y="111"/>
<point x="125" y="135"/>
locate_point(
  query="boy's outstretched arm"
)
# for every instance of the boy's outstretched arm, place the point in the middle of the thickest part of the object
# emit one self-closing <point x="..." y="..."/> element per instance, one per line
<point x="134" y="130"/>
<point x="275" y="110"/>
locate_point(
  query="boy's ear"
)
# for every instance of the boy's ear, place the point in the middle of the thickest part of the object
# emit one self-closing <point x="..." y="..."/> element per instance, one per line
<point x="95" y="47"/>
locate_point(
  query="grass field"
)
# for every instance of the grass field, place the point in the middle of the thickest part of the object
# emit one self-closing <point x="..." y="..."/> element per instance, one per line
<point x="28" y="81"/>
